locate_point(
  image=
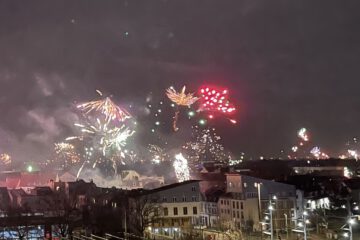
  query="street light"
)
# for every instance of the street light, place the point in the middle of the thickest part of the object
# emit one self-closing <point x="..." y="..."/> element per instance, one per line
<point x="258" y="186"/>
<point x="286" y="226"/>
<point x="305" y="221"/>
<point x="351" y="222"/>
<point x="271" y="208"/>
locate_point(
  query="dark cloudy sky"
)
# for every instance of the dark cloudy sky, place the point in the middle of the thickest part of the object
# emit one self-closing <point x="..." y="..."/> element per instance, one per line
<point x="289" y="64"/>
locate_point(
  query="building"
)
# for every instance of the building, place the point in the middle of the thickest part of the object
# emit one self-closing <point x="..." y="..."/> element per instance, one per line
<point x="184" y="207"/>
<point x="247" y="199"/>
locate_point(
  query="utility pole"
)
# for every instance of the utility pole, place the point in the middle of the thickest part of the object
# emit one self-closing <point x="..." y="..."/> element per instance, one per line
<point x="305" y="221"/>
<point x="286" y="226"/>
<point x="125" y="226"/>
<point x="271" y="208"/>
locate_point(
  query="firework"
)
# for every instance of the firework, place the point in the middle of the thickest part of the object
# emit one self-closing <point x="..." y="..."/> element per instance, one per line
<point x="181" y="168"/>
<point x="205" y="148"/>
<point x="107" y="107"/>
<point x="294" y="149"/>
<point x="109" y="140"/>
<point x="104" y="131"/>
<point x="302" y="133"/>
<point x="66" y="154"/>
<point x="216" y="101"/>
<point x="353" y="154"/>
<point x="5" y="159"/>
<point x="180" y="99"/>
<point x="158" y="154"/>
<point x="315" y="151"/>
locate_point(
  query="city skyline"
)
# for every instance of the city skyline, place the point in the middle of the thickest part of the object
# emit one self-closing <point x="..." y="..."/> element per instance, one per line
<point x="286" y="67"/>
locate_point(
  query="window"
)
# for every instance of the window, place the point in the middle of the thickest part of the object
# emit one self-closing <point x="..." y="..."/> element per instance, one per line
<point x="185" y="210"/>
<point x="194" y="210"/>
<point x="193" y="198"/>
<point x="242" y="215"/>
<point x="237" y="214"/>
<point x="242" y="205"/>
<point x="166" y="211"/>
<point x="184" y="199"/>
<point x="221" y="202"/>
<point x="245" y="184"/>
<point x="237" y="205"/>
<point x="227" y="202"/>
<point x="222" y="210"/>
<point x="164" y="199"/>
<point x="233" y="204"/>
<point x="175" y="211"/>
<point x="233" y="214"/>
<point x="193" y="188"/>
<point x="174" y="199"/>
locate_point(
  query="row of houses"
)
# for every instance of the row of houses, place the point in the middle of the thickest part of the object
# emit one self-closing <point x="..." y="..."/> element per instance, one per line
<point x="217" y="202"/>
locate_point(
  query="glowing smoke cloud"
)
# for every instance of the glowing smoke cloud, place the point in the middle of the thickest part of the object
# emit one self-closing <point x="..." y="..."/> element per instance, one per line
<point x="181" y="168"/>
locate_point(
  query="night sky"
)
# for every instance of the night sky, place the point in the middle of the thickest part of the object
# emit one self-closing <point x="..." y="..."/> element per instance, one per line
<point x="288" y="64"/>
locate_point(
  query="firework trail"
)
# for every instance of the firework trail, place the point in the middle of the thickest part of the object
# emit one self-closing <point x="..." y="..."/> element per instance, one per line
<point x="181" y="168"/>
<point x="180" y="99"/>
<point x="80" y="169"/>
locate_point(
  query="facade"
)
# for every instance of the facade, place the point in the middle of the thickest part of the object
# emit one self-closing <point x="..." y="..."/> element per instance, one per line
<point x="253" y="195"/>
<point x="184" y="207"/>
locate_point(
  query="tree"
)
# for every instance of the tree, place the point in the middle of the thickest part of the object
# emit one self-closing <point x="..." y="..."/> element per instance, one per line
<point x="68" y="216"/>
<point x="144" y="212"/>
<point x="19" y="219"/>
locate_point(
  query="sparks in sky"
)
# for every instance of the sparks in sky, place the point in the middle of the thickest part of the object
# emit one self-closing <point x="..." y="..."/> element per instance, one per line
<point x="302" y="133"/>
<point x="5" y="159"/>
<point x="205" y="147"/>
<point x="353" y="154"/>
<point x="109" y="139"/>
<point x="214" y="100"/>
<point x="66" y="154"/>
<point x="158" y="154"/>
<point x="294" y="148"/>
<point x="104" y="129"/>
<point x="181" y="168"/>
<point x="180" y="99"/>
<point x="105" y="106"/>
